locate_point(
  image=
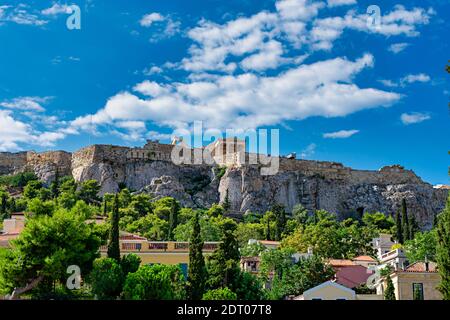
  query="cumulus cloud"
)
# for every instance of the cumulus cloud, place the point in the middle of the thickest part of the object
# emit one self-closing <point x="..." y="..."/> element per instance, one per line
<point x="415" y="117"/>
<point x="337" y="3"/>
<point x="26" y="103"/>
<point x="408" y="79"/>
<point x="57" y="9"/>
<point x="342" y="134"/>
<point x="244" y="101"/>
<point x="20" y="15"/>
<point x="398" y="47"/>
<point x="148" y="19"/>
<point x="14" y="132"/>
<point x="166" y="26"/>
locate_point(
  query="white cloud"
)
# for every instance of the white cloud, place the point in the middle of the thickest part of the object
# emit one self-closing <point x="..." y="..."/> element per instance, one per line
<point x="342" y="134"/>
<point x="415" y="117"/>
<point x="14" y="132"/>
<point x="408" y="79"/>
<point x="309" y="151"/>
<point x="336" y="3"/>
<point x="398" y="47"/>
<point x="150" y="88"/>
<point x="153" y="70"/>
<point x="167" y="27"/>
<point x="150" y="18"/>
<point x="248" y="101"/>
<point x="26" y="103"/>
<point x="20" y="15"/>
<point x="57" y="9"/>
<point x="298" y="9"/>
<point x="411" y="78"/>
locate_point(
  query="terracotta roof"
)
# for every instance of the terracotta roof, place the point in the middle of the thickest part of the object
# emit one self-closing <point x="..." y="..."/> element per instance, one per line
<point x="341" y="262"/>
<point x="364" y="258"/>
<point x="420" y="267"/>
<point x="129" y="236"/>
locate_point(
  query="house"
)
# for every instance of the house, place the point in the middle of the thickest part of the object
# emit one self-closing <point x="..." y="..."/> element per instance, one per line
<point x="267" y="243"/>
<point x="395" y="259"/>
<point x="162" y="252"/>
<point x="12" y="228"/>
<point x="418" y="281"/>
<point x="328" y="291"/>
<point x="382" y="244"/>
<point x="349" y="273"/>
<point x="365" y="261"/>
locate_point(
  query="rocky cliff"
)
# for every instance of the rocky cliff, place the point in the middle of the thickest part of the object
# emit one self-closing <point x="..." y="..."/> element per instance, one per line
<point x="314" y="184"/>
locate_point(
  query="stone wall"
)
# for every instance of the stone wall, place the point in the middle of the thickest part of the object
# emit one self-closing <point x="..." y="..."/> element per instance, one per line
<point x="11" y="163"/>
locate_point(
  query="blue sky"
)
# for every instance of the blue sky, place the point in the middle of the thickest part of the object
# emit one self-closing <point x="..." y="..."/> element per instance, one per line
<point x="336" y="88"/>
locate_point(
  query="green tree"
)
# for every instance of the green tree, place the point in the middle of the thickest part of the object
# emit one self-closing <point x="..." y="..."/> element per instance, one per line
<point x="88" y="192"/>
<point x="413" y="227"/>
<point x="54" y="186"/>
<point x="223" y="264"/>
<point x="379" y="221"/>
<point x="106" y="279"/>
<point x="150" y="227"/>
<point x="422" y="247"/>
<point x="226" y="202"/>
<point x="113" y="245"/>
<point x="130" y="263"/>
<point x="220" y="294"/>
<point x="46" y="247"/>
<point x="39" y="207"/>
<point x="443" y="250"/>
<point x="389" y="293"/>
<point x="399" y="231"/>
<point x="3" y="204"/>
<point x="216" y="210"/>
<point x="269" y="223"/>
<point x="300" y="214"/>
<point x="197" y="269"/>
<point x="156" y="282"/>
<point x="405" y="222"/>
<point x="280" y="220"/>
<point x="32" y="189"/>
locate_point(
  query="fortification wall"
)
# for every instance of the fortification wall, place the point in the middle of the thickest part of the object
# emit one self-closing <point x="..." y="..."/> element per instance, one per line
<point x="12" y="162"/>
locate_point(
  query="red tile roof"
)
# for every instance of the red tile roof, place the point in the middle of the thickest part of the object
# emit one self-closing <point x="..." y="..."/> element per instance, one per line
<point x="364" y="258"/>
<point x="421" y="267"/>
<point x="341" y="262"/>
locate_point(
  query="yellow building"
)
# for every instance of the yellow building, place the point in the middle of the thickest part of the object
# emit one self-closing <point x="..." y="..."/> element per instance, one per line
<point x="161" y="252"/>
<point x="421" y="277"/>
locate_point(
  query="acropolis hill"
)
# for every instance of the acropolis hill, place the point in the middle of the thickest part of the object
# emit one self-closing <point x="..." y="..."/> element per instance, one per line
<point x="314" y="184"/>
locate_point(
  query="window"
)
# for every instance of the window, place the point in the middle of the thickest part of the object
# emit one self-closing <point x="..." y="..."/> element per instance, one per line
<point x="417" y="291"/>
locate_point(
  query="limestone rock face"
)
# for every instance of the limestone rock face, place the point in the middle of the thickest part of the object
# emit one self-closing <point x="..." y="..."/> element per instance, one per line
<point x="314" y="184"/>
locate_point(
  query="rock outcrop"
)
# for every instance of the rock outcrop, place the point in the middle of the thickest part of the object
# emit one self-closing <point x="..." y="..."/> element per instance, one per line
<point x="314" y="184"/>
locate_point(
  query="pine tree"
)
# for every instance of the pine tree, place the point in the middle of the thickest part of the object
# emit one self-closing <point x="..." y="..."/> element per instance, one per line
<point x="280" y="222"/>
<point x="389" y="294"/>
<point x="413" y="227"/>
<point x="197" y="268"/>
<point x="405" y="222"/>
<point x="443" y="250"/>
<point x="226" y="203"/>
<point x="113" y="246"/>
<point x="173" y="222"/>
<point x="54" y="187"/>
<point x="398" y="223"/>
<point x="105" y="206"/>
<point x="3" y="204"/>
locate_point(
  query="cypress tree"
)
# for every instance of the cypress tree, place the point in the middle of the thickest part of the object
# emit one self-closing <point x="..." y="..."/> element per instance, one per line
<point x="105" y="206"/>
<point x="4" y="204"/>
<point x="405" y="222"/>
<point x="389" y="294"/>
<point x="113" y="246"/>
<point x="54" y="187"/>
<point x="197" y="268"/>
<point x="398" y="223"/>
<point x="173" y="222"/>
<point x="280" y="222"/>
<point x="226" y="203"/>
<point x="443" y="250"/>
<point x="413" y="227"/>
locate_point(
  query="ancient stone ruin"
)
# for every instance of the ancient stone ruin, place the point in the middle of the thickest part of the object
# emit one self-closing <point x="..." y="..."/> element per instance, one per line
<point x="314" y="184"/>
